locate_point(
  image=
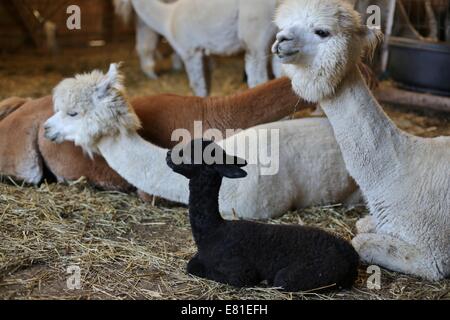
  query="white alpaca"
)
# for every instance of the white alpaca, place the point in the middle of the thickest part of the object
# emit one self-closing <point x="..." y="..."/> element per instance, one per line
<point x="405" y="179"/>
<point x="198" y="28"/>
<point x="146" y="40"/>
<point x="92" y="111"/>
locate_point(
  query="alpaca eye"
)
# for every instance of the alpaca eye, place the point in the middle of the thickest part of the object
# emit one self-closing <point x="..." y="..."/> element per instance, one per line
<point x="72" y="114"/>
<point x="322" y="33"/>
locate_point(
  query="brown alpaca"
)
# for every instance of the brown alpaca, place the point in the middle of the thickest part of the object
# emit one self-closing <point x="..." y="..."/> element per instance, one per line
<point x="160" y="116"/>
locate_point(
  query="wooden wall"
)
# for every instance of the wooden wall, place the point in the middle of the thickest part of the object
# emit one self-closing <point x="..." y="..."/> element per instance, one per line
<point x="98" y="22"/>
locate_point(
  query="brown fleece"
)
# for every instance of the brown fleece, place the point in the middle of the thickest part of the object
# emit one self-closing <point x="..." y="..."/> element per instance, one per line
<point x="19" y="152"/>
<point x="162" y="114"/>
<point x="10" y="105"/>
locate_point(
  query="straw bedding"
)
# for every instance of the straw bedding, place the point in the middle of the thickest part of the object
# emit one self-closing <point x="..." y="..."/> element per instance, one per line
<point x="128" y="249"/>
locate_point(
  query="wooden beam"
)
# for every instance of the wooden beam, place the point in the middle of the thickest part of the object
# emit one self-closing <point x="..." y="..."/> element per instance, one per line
<point x="387" y="93"/>
<point x="388" y="32"/>
<point x="28" y="21"/>
<point x="108" y="20"/>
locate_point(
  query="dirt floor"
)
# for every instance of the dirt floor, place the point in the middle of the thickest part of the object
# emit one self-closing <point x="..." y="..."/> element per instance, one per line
<point x="128" y="249"/>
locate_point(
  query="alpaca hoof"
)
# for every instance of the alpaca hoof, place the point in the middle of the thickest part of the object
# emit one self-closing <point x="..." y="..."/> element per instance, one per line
<point x="151" y="75"/>
<point x="201" y="93"/>
<point x="358" y="243"/>
<point x="177" y="63"/>
<point x="146" y="197"/>
<point x="365" y="225"/>
<point x="148" y="69"/>
<point x="365" y="247"/>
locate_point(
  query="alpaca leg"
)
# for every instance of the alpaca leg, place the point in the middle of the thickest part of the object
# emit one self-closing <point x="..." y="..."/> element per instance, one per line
<point x="177" y="62"/>
<point x="146" y="197"/>
<point x="396" y="255"/>
<point x="277" y="67"/>
<point x="234" y="272"/>
<point x="366" y="225"/>
<point x="196" y="73"/>
<point x="286" y="280"/>
<point x="354" y="200"/>
<point x="256" y="68"/>
<point x="299" y="278"/>
<point x="146" y="44"/>
<point x="196" y="267"/>
<point x="257" y="32"/>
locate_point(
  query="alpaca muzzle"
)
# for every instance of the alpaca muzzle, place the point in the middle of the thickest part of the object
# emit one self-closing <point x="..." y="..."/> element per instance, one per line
<point x="51" y="134"/>
<point x="285" y="48"/>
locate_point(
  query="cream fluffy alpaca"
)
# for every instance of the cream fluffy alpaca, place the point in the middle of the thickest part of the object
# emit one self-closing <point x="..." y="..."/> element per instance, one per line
<point x="405" y="179"/>
<point x="197" y="28"/>
<point x="92" y="111"/>
<point x="114" y="114"/>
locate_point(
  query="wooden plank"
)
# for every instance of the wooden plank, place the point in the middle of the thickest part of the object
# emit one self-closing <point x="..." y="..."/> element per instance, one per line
<point x="386" y="93"/>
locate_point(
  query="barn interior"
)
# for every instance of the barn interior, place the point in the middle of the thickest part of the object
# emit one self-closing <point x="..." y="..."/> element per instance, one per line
<point x="127" y="248"/>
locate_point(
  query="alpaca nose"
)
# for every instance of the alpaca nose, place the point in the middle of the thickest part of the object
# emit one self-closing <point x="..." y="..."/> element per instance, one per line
<point x="46" y="132"/>
<point x="281" y="38"/>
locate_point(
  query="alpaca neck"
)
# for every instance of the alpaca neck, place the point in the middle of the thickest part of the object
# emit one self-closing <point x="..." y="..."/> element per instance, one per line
<point x="155" y="13"/>
<point x="370" y="142"/>
<point x="265" y="103"/>
<point x="143" y="165"/>
<point x="204" y="206"/>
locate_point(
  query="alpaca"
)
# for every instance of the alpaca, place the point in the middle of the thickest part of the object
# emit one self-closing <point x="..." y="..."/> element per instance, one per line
<point x="146" y="40"/>
<point x="198" y="28"/>
<point x="92" y="111"/>
<point x="244" y="253"/>
<point x="406" y="179"/>
<point x="268" y="102"/>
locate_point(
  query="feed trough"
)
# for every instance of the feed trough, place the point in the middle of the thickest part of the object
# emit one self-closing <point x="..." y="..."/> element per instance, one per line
<point x="419" y="65"/>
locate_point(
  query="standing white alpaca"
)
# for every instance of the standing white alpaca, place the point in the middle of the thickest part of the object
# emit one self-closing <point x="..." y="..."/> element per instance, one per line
<point x="198" y="28"/>
<point x="92" y="111"/>
<point x="405" y="179"/>
<point x="146" y="40"/>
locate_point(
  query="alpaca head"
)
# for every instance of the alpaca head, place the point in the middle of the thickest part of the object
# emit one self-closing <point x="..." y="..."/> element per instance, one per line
<point x="319" y="42"/>
<point x="200" y="157"/>
<point x="89" y="107"/>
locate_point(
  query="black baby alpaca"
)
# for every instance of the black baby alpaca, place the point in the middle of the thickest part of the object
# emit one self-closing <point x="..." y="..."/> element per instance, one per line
<point x="244" y="253"/>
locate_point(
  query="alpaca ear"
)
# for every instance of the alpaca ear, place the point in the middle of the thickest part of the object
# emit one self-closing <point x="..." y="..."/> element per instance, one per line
<point x="230" y="171"/>
<point x="232" y="167"/>
<point x="372" y="37"/>
<point x="113" y="79"/>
